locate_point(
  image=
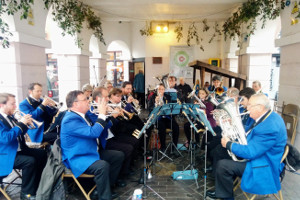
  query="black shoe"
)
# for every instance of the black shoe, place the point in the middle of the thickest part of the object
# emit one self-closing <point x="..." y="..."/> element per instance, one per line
<point x="121" y="183"/>
<point x="211" y="194"/>
<point x="114" y="195"/>
<point x="27" y="197"/>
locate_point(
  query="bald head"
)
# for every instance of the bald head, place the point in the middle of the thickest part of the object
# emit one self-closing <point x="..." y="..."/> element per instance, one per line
<point x="258" y="105"/>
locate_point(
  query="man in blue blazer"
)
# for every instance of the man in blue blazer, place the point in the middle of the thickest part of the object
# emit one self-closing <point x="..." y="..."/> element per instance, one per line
<point x="41" y="110"/>
<point x="219" y="153"/>
<point x="79" y="144"/>
<point x="265" y="146"/>
<point x="14" y="154"/>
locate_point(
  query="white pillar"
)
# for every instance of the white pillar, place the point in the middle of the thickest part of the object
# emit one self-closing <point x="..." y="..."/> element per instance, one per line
<point x="22" y="64"/>
<point x="73" y="73"/>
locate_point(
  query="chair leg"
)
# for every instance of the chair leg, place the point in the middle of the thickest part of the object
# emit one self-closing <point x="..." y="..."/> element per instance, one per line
<point x="81" y="188"/>
<point x="280" y="195"/>
<point x="253" y="197"/>
<point x="4" y="193"/>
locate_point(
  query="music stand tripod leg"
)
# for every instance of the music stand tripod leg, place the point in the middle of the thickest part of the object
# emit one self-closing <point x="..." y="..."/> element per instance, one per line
<point x="145" y="186"/>
<point x="192" y="157"/>
<point x="205" y="159"/>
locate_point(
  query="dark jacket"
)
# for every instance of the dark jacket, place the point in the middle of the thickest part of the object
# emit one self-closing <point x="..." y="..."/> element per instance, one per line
<point x="51" y="173"/>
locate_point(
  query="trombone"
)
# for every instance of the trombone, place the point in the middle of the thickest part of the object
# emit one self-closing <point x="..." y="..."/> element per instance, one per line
<point x="18" y="115"/>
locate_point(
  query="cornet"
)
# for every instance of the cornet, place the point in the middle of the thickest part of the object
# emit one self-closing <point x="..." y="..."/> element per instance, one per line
<point x="34" y="124"/>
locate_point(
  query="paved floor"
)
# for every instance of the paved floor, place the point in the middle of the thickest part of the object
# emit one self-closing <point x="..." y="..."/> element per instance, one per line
<point x="161" y="183"/>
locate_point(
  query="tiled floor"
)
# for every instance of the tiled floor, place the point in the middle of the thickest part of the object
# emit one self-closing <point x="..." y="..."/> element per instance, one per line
<point x="163" y="185"/>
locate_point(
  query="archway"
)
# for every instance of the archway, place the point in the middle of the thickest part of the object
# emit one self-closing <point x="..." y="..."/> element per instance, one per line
<point x="117" y="64"/>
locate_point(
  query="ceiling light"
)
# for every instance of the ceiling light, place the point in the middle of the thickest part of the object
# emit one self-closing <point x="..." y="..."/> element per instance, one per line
<point x="160" y="26"/>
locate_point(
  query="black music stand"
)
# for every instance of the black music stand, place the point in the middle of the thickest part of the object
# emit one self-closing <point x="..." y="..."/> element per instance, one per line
<point x="190" y="109"/>
<point x="153" y="116"/>
<point x="208" y="127"/>
<point x="170" y="109"/>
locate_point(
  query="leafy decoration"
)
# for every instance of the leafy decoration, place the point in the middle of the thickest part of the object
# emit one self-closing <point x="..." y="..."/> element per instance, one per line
<point x="69" y="14"/>
<point x="146" y="30"/>
<point x="247" y="15"/>
<point x="178" y="30"/>
<point x="205" y="25"/>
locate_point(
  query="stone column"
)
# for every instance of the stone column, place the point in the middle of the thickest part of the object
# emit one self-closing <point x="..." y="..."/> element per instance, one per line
<point x="257" y="66"/>
<point x="97" y="70"/>
<point x="22" y="63"/>
<point x="73" y="73"/>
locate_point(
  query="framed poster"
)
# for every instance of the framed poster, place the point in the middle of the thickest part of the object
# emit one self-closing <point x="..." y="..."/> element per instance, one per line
<point x="180" y="57"/>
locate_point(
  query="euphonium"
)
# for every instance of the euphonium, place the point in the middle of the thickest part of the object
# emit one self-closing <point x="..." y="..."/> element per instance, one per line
<point x="35" y="124"/>
<point x="228" y="116"/>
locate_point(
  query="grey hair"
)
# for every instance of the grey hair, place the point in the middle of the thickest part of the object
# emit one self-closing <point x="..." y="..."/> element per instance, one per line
<point x="233" y="92"/>
<point x="257" y="82"/>
<point x="262" y="99"/>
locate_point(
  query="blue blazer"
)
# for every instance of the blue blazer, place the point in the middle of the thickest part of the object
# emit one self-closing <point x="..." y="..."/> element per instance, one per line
<point x="36" y="135"/>
<point x="78" y="142"/>
<point x="264" y="151"/>
<point x="9" y="144"/>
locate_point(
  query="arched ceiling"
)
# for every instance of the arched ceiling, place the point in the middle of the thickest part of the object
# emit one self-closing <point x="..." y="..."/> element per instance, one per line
<point x="171" y="10"/>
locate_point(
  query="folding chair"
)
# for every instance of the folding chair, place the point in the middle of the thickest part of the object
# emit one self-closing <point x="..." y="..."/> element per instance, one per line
<point x="2" y="190"/>
<point x="237" y="181"/>
<point x="4" y="185"/>
<point x="290" y="115"/>
<point x="68" y="174"/>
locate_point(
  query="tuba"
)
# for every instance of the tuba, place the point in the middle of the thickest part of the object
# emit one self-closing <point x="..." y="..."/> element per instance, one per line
<point x="229" y="118"/>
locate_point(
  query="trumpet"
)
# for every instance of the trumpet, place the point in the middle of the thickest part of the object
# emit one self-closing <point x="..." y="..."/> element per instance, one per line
<point x="119" y="105"/>
<point x="94" y="110"/>
<point x="56" y="105"/>
<point x="136" y="105"/>
<point x="18" y="115"/>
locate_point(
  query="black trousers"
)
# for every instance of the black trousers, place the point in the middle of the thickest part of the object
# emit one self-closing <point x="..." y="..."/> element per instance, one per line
<point x="165" y="123"/>
<point x="226" y="172"/>
<point x="32" y="162"/>
<point x="123" y="145"/>
<point x="133" y="141"/>
<point x="115" y="160"/>
<point x="141" y="98"/>
<point x="100" y="169"/>
<point x="218" y="153"/>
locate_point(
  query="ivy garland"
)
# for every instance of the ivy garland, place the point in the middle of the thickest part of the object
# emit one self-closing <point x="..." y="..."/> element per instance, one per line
<point x="69" y="14"/>
<point x="246" y="15"/>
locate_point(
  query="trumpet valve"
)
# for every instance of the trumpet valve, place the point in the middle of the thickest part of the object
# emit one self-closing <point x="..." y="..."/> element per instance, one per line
<point x="136" y="133"/>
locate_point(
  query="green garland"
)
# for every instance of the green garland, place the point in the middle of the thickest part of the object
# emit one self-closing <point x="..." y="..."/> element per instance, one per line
<point x="69" y="14"/>
<point x="246" y="15"/>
